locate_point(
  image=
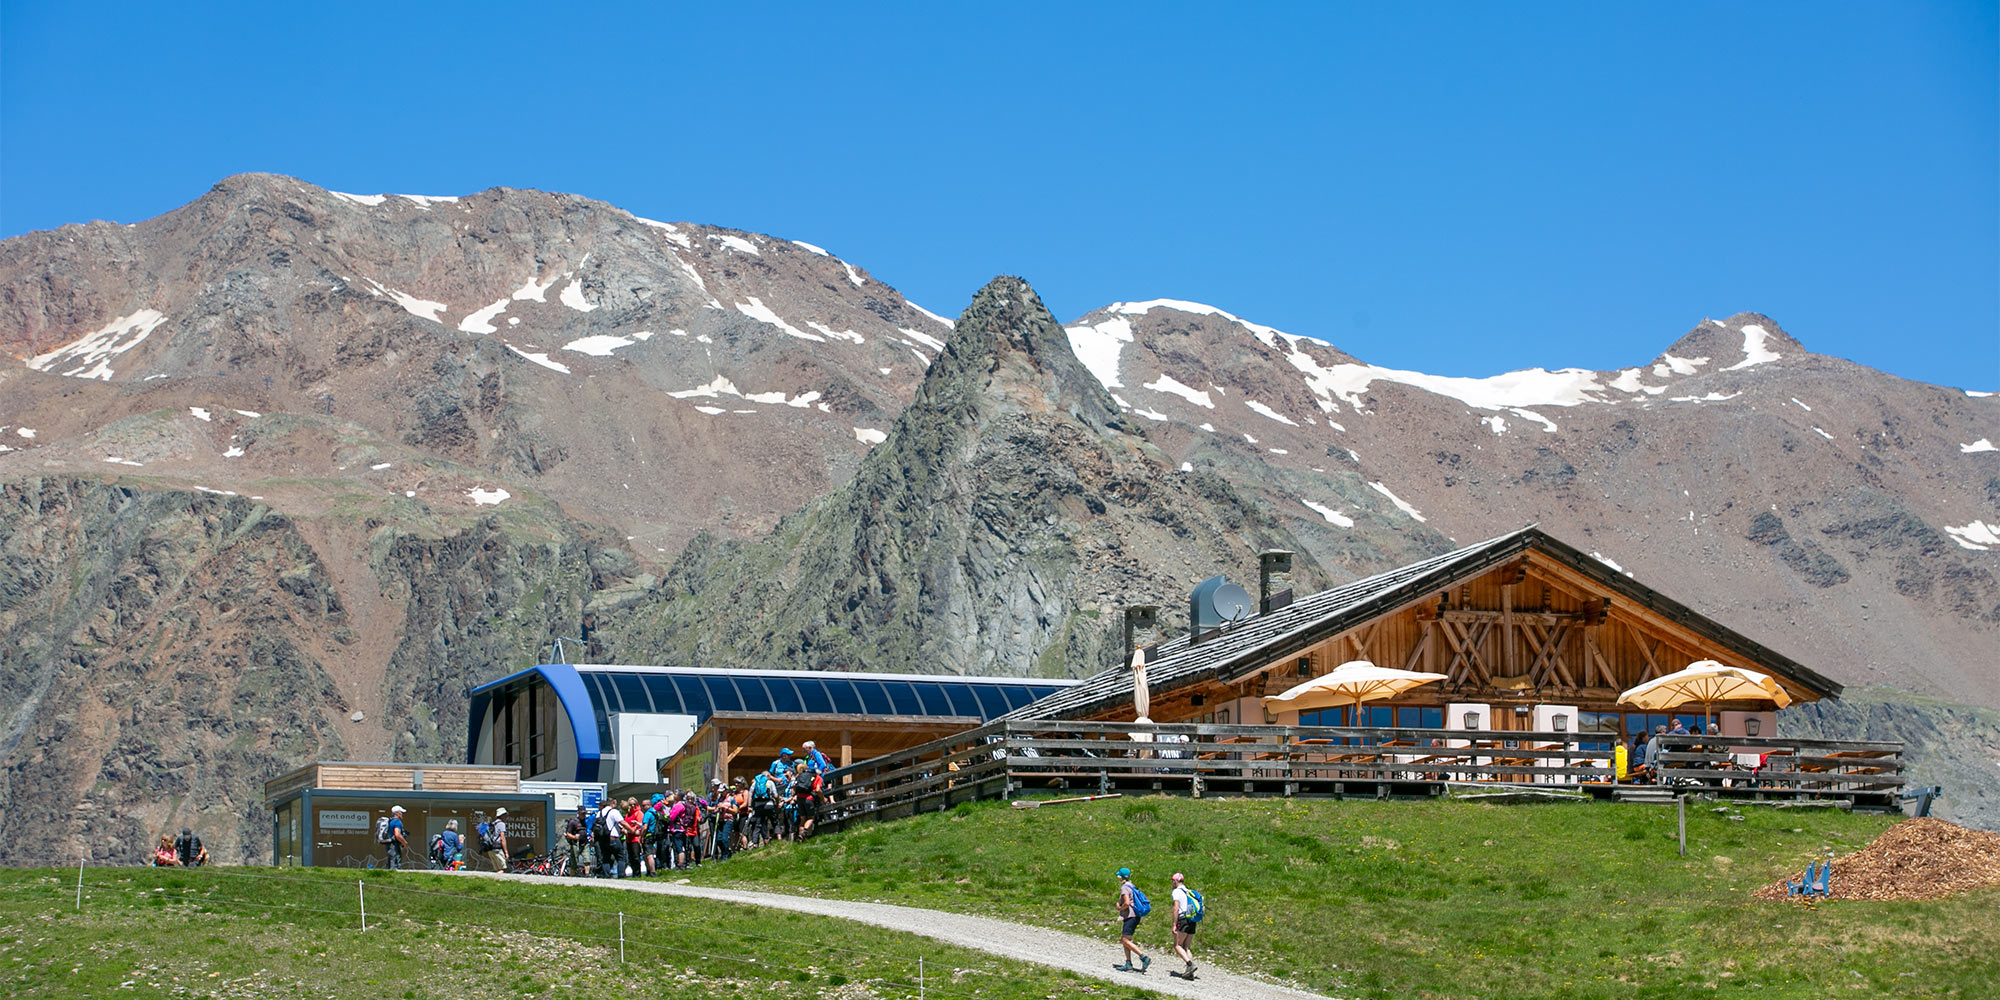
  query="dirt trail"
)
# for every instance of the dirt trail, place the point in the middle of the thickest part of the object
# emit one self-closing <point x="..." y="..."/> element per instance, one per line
<point x="1041" y="946"/>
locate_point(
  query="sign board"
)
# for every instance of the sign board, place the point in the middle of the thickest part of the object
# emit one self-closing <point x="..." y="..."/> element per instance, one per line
<point x="343" y="820"/>
<point x="592" y="798"/>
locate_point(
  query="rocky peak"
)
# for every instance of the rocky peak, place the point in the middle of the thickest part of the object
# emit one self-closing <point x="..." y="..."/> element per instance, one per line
<point x="1008" y="352"/>
<point x="1741" y="341"/>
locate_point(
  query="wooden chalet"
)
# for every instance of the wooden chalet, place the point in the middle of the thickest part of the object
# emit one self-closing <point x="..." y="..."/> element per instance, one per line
<point x="1536" y="641"/>
<point x="1517" y="622"/>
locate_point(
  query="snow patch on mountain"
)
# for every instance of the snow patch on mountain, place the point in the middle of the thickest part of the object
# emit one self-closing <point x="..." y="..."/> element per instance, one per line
<point x="90" y="356"/>
<point x="1983" y="444"/>
<point x="1670" y="365"/>
<point x="572" y="296"/>
<point x="1268" y="335"/>
<point x="200" y="414"/>
<point x="541" y="359"/>
<point x="1169" y="384"/>
<point x="1548" y="426"/>
<point x="534" y="291"/>
<point x="922" y="338"/>
<point x="810" y="248"/>
<point x="948" y="323"/>
<point x="1332" y="516"/>
<point x="1098" y="348"/>
<point x="1262" y="410"/>
<point x="483" y="497"/>
<point x="1754" y="350"/>
<point x="847" y="335"/>
<point x="869" y="435"/>
<point x="481" y="321"/>
<point x="672" y="232"/>
<point x="757" y="310"/>
<point x="424" y="308"/>
<point x="367" y="200"/>
<point x="737" y="243"/>
<point x="597" y="345"/>
<point x="1398" y="501"/>
<point x="1978" y="535"/>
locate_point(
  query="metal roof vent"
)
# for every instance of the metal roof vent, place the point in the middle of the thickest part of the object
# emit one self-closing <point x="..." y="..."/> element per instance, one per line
<point x="1214" y="603"/>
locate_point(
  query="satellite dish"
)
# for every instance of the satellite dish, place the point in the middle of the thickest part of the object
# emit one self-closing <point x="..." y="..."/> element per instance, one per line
<point x="1216" y="602"/>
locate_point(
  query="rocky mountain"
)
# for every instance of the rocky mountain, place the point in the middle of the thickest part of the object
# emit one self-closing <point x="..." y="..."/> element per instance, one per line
<point x="286" y="471"/>
<point x="1012" y="512"/>
<point x="1834" y="511"/>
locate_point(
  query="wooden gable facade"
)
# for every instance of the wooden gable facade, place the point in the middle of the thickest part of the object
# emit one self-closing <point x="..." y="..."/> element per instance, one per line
<point x="1515" y="622"/>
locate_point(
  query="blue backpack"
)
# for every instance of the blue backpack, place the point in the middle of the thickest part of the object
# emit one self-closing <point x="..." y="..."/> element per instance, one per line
<point x="1193" y="910"/>
<point x="1140" y="904"/>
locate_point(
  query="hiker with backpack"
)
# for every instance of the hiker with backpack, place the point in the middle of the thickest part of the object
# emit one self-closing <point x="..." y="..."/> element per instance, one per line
<point x="493" y="839"/>
<point x="188" y="849"/>
<point x="389" y="833"/>
<point x="691" y="830"/>
<point x="763" y="808"/>
<point x="610" y="841"/>
<point x="1132" y="906"/>
<point x="1189" y="908"/>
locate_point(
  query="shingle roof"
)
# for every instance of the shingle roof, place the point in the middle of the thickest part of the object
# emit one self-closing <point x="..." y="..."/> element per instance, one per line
<point x="1313" y="619"/>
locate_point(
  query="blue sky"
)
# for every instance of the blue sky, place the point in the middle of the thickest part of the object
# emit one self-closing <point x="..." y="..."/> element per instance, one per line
<point x="1457" y="188"/>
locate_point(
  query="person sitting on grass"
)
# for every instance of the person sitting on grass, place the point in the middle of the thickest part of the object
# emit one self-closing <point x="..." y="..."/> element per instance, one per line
<point x="164" y="856"/>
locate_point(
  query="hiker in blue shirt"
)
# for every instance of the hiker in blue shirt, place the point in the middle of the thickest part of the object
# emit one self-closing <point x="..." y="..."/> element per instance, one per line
<point x="783" y="765"/>
<point x="815" y="760"/>
<point x="1132" y="905"/>
<point x="450" y="844"/>
<point x="397" y="843"/>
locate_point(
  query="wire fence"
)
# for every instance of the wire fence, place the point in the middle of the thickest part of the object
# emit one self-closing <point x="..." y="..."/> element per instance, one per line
<point x="368" y="916"/>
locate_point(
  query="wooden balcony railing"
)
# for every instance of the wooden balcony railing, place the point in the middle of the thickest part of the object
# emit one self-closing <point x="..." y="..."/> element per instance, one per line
<point x="1000" y="759"/>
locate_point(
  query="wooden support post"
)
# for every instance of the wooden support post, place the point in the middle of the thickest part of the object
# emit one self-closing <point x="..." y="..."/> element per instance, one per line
<point x="846" y="747"/>
<point x="722" y="754"/>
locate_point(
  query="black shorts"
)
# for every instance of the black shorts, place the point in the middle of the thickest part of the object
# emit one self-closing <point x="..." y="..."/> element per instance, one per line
<point x="1131" y="926"/>
<point x="1182" y="925"/>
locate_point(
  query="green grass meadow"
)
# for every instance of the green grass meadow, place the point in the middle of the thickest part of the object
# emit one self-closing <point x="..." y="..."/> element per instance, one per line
<point x="1430" y="899"/>
<point x="262" y="932"/>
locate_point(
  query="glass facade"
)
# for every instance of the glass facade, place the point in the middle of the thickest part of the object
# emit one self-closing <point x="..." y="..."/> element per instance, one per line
<point x="336" y="827"/>
<point x="701" y="694"/>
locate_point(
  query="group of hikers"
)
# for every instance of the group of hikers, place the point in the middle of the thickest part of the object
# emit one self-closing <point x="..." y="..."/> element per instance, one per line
<point x="1132" y="906"/>
<point x="1644" y="755"/>
<point x="672" y="831"/>
<point x="184" y="851"/>
<point x="675" y="831"/>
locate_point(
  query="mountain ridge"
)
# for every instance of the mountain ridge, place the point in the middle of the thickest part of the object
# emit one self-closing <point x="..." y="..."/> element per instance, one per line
<point x="704" y="445"/>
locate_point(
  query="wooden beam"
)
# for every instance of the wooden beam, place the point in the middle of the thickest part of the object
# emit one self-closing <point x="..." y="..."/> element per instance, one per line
<point x="1417" y="648"/>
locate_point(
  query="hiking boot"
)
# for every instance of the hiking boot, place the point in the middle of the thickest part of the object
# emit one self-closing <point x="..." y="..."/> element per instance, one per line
<point x="1144" y="962"/>
<point x="1126" y="967"/>
<point x="1189" y="974"/>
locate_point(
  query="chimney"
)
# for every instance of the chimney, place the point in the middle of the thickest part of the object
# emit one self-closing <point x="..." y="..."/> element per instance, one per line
<point x="1272" y="563"/>
<point x="1140" y="619"/>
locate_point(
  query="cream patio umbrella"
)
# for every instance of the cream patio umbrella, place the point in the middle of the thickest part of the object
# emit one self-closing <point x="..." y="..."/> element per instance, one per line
<point x="1351" y="683"/>
<point x="1142" y="694"/>
<point x="1705" y="682"/>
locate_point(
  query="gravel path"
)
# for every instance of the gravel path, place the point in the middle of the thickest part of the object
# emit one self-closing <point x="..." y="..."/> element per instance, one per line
<point x="1041" y="946"/>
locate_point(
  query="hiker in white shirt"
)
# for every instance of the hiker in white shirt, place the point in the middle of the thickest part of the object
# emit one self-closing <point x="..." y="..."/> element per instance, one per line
<point x="1183" y="927"/>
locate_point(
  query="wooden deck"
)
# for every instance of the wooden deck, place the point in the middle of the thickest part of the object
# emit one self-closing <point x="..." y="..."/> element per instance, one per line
<point x="1005" y="759"/>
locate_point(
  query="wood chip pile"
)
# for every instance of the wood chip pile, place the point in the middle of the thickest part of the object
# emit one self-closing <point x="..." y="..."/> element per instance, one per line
<point x="1915" y="859"/>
